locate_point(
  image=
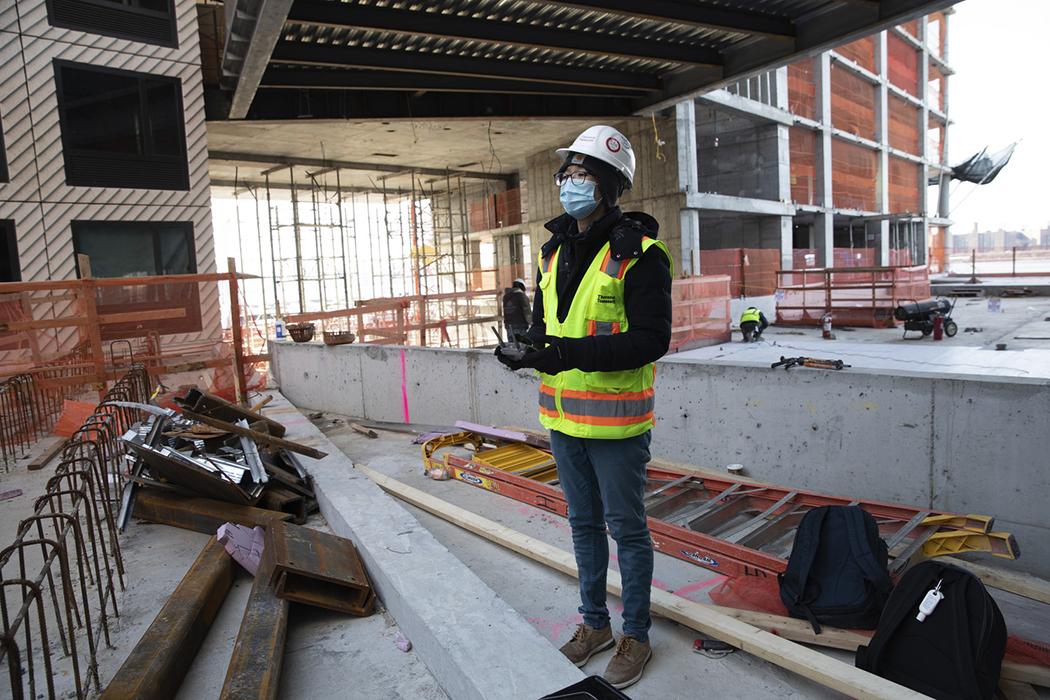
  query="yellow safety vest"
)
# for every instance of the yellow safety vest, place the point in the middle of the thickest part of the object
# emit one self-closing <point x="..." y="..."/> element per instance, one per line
<point x="607" y="405"/>
<point x="751" y="314"/>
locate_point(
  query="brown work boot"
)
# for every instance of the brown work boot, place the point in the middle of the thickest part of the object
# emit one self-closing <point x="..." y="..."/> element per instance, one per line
<point x="626" y="666"/>
<point x="586" y="642"/>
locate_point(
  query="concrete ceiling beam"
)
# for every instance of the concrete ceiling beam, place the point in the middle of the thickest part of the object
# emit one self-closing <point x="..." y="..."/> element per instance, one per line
<point x="285" y="161"/>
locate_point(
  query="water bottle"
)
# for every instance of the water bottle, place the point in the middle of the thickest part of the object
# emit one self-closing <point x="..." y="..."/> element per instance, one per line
<point x="279" y="328"/>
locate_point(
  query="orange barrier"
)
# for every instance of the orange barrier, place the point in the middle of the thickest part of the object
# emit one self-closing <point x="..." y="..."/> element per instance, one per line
<point x="700" y="312"/>
<point x="752" y="271"/>
<point x="861" y="296"/>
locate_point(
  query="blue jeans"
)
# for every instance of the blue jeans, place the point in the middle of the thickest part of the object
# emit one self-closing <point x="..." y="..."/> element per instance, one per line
<point x="604" y="483"/>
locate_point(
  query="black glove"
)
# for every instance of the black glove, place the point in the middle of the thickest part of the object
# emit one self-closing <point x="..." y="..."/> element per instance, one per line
<point x="549" y="360"/>
<point x="509" y="354"/>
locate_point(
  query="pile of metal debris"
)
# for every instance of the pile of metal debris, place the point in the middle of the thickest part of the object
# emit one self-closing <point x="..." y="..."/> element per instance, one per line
<point x="214" y="462"/>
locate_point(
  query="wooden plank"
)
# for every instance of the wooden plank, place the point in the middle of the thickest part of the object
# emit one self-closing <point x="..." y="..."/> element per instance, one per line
<point x="256" y="435"/>
<point x="34" y="344"/>
<point x="240" y="379"/>
<point x="66" y="322"/>
<point x="1016" y="582"/>
<point x="89" y="299"/>
<point x="47" y="455"/>
<point x="806" y="662"/>
<point x="135" y="316"/>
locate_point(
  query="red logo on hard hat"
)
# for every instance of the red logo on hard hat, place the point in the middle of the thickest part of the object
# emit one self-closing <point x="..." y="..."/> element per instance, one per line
<point x="612" y="144"/>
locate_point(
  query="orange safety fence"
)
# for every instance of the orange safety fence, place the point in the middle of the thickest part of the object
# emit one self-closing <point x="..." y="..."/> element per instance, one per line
<point x="859" y="296"/>
<point x="454" y="319"/>
<point x="700" y="312"/>
<point x="752" y="271"/>
<point x="75" y="336"/>
<point x="849" y="257"/>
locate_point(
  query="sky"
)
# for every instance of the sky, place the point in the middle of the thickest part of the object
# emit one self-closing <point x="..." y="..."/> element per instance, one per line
<point x="1000" y="50"/>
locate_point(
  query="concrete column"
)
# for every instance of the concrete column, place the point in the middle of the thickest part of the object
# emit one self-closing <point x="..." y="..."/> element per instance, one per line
<point x="787" y="258"/>
<point x="922" y="246"/>
<point x="784" y="193"/>
<point x="688" y="181"/>
<point x="943" y="204"/>
<point x="780" y="80"/>
<point x="823" y="227"/>
<point x="882" y="135"/>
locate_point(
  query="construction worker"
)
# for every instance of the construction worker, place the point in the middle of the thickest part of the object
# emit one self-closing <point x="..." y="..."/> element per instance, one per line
<point x="752" y="323"/>
<point x="516" y="311"/>
<point x="601" y="318"/>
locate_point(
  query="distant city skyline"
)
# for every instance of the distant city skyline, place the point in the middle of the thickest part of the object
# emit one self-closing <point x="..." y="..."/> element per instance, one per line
<point x="998" y="50"/>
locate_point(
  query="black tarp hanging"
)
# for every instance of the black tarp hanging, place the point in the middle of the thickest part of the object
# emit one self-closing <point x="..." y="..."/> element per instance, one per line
<point x="982" y="168"/>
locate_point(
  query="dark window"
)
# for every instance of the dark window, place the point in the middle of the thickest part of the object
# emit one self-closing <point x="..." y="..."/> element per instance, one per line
<point x="142" y="249"/>
<point x="121" y="129"/>
<point x="10" y="268"/>
<point x="150" y="21"/>
<point x="136" y="248"/>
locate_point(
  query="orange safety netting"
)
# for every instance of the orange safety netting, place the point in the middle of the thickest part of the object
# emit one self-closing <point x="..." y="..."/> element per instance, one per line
<point x="74" y="334"/>
<point x="853" y="173"/>
<point x="802" y="90"/>
<point x="494" y="210"/>
<point x="803" y="146"/>
<point x="864" y="296"/>
<point x="904" y="125"/>
<point x="700" y="311"/>
<point x="938" y="249"/>
<point x="852" y="103"/>
<point x="849" y="257"/>
<point x="752" y="271"/>
<point x="905" y="191"/>
<point x="902" y="64"/>
<point x="861" y="51"/>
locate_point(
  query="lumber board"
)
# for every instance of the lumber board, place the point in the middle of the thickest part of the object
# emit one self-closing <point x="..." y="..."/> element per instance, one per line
<point x="41" y="460"/>
<point x="804" y="661"/>
<point x="663" y="603"/>
<point x="1016" y="582"/>
<point x="256" y="435"/>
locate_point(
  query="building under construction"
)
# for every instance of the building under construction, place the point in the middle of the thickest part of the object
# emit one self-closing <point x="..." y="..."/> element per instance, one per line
<point x="375" y="174"/>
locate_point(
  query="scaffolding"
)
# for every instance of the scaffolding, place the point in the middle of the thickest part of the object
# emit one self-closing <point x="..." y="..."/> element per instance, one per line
<point x="324" y="249"/>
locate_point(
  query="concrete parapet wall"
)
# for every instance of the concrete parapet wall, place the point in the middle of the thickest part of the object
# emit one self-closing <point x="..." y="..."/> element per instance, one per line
<point x="969" y="445"/>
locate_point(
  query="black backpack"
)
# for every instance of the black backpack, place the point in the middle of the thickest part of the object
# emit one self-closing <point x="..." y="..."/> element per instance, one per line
<point x="956" y="652"/>
<point x="837" y="573"/>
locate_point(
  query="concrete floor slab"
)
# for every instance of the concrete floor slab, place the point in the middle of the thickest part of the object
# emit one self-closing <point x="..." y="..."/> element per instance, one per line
<point x="473" y="642"/>
<point x="548" y="599"/>
<point x="1020" y="323"/>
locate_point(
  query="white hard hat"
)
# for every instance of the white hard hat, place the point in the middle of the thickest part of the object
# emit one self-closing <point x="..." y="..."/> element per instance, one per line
<point x="607" y="145"/>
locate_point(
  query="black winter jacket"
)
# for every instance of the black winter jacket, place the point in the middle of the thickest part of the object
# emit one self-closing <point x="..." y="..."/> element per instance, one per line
<point x="515" y="307"/>
<point x="647" y="291"/>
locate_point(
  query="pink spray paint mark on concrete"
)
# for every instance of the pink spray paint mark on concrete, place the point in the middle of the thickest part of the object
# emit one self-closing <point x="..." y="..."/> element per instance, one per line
<point x="404" y="388"/>
<point x="554" y="629"/>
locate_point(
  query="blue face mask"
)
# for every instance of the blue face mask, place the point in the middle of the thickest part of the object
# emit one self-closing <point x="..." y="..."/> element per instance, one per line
<point x="578" y="200"/>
